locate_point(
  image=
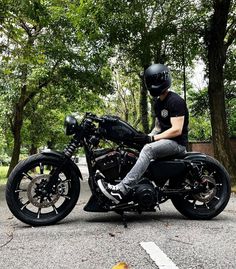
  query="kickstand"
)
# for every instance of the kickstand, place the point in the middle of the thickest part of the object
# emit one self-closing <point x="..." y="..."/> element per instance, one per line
<point x="122" y="214"/>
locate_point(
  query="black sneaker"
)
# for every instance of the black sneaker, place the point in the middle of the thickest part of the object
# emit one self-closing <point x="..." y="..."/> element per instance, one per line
<point x="110" y="191"/>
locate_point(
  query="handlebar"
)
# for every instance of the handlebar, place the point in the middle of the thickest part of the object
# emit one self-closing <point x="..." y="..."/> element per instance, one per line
<point x="93" y="117"/>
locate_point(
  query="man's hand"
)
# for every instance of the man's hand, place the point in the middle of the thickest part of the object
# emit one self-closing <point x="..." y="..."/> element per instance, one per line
<point x="143" y="138"/>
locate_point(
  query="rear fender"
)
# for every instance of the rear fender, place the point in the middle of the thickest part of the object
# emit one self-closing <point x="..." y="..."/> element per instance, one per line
<point x="62" y="156"/>
<point x="195" y="156"/>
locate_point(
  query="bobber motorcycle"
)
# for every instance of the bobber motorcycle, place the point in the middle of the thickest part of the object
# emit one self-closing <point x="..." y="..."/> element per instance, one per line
<point x="44" y="188"/>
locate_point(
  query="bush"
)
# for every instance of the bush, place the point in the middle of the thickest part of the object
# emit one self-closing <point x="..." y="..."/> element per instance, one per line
<point x="3" y="174"/>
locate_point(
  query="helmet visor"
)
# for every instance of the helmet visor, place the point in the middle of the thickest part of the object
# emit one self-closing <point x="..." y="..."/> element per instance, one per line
<point x="156" y="79"/>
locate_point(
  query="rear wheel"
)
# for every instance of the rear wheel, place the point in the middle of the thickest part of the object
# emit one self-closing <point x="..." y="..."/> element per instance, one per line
<point x="27" y="196"/>
<point x="215" y="195"/>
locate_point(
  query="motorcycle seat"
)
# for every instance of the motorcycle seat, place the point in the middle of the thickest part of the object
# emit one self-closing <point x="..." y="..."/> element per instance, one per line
<point x="181" y="155"/>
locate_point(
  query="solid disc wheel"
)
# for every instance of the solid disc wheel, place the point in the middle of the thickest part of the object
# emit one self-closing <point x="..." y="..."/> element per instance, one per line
<point x="27" y="195"/>
<point x="213" y="199"/>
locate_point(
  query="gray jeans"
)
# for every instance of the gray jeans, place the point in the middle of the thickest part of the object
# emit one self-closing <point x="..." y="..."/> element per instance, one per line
<point x="158" y="149"/>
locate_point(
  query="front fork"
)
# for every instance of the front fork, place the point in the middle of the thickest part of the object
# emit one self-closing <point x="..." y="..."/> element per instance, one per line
<point x="55" y="174"/>
<point x="66" y="158"/>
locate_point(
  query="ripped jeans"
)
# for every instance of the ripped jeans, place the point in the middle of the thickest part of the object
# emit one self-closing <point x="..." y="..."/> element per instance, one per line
<point x="158" y="149"/>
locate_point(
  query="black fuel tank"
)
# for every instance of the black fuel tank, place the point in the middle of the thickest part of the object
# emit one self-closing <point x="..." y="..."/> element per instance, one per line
<point x="117" y="130"/>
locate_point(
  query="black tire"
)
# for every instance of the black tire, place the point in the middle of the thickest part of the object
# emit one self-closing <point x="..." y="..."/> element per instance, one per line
<point x="207" y="205"/>
<point x="25" y="197"/>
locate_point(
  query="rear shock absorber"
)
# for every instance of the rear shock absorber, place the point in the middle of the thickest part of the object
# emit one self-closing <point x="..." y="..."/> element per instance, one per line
<point x="197" y="173"/>
<point x="71" y="147"/>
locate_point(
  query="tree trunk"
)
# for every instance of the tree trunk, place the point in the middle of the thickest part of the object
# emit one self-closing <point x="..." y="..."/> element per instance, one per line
<point x="16" y="130"/>
<point x="33" y="149"/>
<point x="143" y="107"/>
<point x="216" y="59"/>
<point x="184" y="73"/>
<point x="153" y="122"/>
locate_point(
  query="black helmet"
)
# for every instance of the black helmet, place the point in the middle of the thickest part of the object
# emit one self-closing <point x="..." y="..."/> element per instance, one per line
<point x="157" y="79"/>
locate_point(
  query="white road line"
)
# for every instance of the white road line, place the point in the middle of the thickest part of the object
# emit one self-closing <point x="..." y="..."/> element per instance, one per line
<point x="158" y="256"/>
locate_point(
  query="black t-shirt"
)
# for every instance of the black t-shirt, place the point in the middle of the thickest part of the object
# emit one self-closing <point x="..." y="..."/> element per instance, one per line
<point x="172" y="106"/>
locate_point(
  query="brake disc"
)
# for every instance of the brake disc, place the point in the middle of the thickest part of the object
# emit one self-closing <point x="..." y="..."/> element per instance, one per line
<point x="37" y="194"/>
<point x="210" y="189"/>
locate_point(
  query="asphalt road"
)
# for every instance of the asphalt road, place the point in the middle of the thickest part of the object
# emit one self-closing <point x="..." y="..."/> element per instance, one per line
<point x="98" y="240"/>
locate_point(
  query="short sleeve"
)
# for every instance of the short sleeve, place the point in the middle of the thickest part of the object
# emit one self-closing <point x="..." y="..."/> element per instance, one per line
<point x="177" y="107"/>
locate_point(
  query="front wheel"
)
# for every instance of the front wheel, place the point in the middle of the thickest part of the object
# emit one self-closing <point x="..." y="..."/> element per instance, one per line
<point x="213" y="199"/>
<point x="28" y="198"/>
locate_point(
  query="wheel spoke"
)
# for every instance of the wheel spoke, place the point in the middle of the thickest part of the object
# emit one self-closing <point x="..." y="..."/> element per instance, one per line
<point x="55" y="209"/>
<point x="25" y="205"/>
<point x="41" y="167"/>
<point x="53" y="206"/>
<point x="217" y="197"/>
<point x="65" y="196"/>
<point x="206" y="205"/>
<point x="20" y="190"/>
<point x="27" y="175"/>
<point x="39" y="212"/>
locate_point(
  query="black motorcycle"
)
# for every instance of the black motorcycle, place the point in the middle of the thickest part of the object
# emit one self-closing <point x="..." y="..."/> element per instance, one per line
<point x="44" y="188"/>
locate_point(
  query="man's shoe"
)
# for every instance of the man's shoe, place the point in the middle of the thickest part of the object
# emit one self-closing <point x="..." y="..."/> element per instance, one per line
<point x="110" y="191"/>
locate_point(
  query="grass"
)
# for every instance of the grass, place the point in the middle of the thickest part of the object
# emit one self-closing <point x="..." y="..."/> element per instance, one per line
<point x="233" y="188"/>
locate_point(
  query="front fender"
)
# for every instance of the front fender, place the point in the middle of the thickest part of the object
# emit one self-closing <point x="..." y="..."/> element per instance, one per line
<point x="63" y="156"/>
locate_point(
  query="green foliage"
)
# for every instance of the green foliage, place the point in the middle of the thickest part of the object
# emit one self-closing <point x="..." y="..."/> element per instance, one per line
<point x="199" y="102"/>
<point x="200" y="112"/>
<point x="199" y="128"/>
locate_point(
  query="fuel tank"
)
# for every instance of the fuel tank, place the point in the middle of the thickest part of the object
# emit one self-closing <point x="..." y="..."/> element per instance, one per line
<point x="119" y="131"/>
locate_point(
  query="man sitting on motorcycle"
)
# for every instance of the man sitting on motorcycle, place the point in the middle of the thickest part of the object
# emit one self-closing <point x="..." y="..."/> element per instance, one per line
<point x="171" y="139"/>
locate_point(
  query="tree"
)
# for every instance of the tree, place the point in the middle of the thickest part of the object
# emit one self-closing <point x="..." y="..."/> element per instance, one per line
<point x="220" y="34"/>
<point x="41" y="48"/>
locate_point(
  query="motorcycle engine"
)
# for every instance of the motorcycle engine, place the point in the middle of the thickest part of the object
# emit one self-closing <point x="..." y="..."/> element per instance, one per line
<point x="113" y="164"/>
<point x="145" y="195"/>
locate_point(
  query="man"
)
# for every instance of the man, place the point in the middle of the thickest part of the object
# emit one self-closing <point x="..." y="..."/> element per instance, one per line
<point x="172" y="118"/>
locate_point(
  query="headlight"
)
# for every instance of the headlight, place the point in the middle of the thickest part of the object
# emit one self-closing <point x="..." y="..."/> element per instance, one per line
<point x="70" y="125"/>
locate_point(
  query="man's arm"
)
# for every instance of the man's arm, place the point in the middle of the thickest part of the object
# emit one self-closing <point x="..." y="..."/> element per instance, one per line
<point x="156" y="129"/>
<point x="177" y="124"/>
